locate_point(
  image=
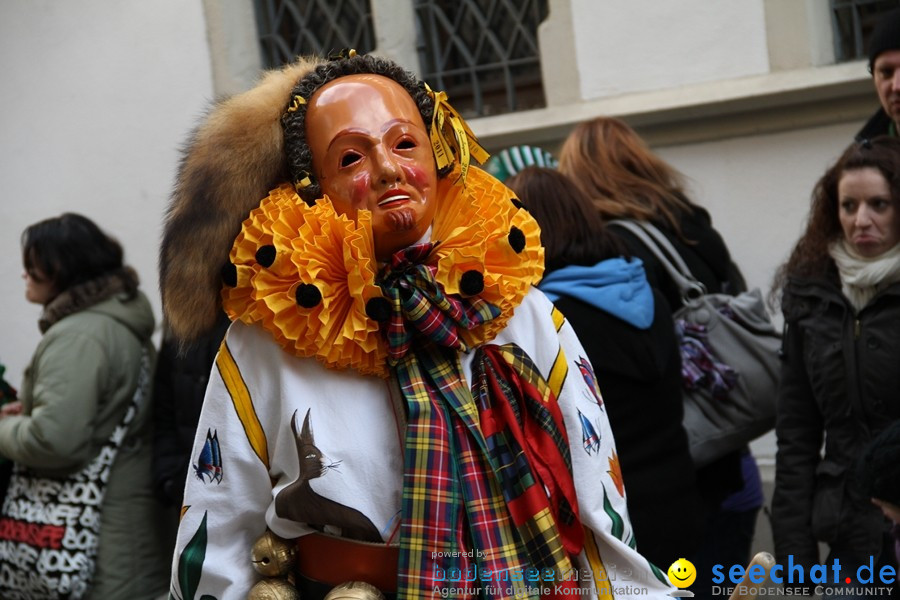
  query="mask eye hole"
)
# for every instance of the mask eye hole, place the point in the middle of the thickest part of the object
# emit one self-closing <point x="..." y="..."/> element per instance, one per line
<point x="350" y="158"/>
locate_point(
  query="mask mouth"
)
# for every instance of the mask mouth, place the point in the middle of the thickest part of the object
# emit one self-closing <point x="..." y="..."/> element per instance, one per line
<point x="393" y="196"/>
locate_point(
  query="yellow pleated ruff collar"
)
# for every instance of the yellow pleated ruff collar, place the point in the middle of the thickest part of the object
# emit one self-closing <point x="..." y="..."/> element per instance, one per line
<point x="306" y="273"/>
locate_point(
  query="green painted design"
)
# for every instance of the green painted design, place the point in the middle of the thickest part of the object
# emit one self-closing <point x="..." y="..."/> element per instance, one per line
<point x="618" y="524"/>
<point x="190" y="564"/>
<point x="659" y="574"/>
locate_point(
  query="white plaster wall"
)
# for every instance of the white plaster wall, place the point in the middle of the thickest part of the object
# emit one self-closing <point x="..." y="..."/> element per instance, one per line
<point x="635" y="45"/>
<point x="757" y="190"/>
<point x="96" y="98"/>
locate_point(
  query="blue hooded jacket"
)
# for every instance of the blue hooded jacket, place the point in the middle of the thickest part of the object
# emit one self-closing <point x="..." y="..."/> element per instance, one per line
<point x="616" y="286"/>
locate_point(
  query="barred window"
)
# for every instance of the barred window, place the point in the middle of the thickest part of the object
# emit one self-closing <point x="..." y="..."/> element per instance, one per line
<point x="288" y="28"/>
<point x="852" y="22"/>
<point x="483" y="53"/>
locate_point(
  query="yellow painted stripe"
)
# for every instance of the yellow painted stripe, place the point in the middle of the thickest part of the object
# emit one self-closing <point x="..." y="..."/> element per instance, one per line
<point x="558" y="373"/>
<point x="243" y="403"/>
<point x="558" y="318"/>
<point x="601" y="577"/>
<point x="184" y="509"/>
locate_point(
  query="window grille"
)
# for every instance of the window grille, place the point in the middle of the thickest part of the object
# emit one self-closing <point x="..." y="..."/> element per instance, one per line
<point x="483" y="53"/>
<point x="852" y="22"/>
<point x="288" y="28"/>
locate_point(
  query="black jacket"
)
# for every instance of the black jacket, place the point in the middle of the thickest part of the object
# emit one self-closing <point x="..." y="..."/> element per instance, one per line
<point x="179" y="388"/>
<point x="710" y="262"/>
<point x="639" y="374"/>
<point x="840" y="385"/>
<point x="878" y="124"/>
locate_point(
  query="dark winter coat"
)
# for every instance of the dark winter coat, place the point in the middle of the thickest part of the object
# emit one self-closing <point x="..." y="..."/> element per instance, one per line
<point x="878" y="124"/>
<point x="639" y="374"/>
<point x="179" y="387"/>
<point x="841" y="385"/>
<point x="710" y="262"/>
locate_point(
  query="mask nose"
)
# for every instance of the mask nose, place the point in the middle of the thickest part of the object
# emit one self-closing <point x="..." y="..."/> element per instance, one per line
<point x="388" y="170"/>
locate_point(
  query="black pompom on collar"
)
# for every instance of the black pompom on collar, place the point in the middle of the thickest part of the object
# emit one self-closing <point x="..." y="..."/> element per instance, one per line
<point x="378" y="309"/>
<point x="229" y="274"/>
<point x="266" y="255"/>
<point x="308" y="295"/>
<point x="471" y="283"/>
<point x="516" y="239"/>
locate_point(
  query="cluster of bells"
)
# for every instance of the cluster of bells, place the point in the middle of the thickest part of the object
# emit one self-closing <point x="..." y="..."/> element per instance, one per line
<point x="273" y="558"/>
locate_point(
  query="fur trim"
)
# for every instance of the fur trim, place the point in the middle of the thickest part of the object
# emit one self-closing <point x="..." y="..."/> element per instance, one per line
<point x="229" y="164"/>
<point x="85" y="295"/>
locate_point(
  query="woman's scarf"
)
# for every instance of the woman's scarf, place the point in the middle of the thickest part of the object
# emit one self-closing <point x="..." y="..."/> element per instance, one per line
<point x="862" y="277"/>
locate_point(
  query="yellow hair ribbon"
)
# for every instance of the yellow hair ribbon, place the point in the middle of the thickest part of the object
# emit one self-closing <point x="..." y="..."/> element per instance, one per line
<point x="343" y="54"/>
<point x="303" y="182"/>
<point x="451" y="137"/>
<point x="297" y="103"/>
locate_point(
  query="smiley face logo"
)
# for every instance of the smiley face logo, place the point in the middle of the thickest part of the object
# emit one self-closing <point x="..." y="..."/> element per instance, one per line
<point x="682" y="573"/>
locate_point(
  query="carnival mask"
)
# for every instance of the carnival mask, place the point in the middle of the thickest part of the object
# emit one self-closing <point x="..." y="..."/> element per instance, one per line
<point x="371" y="151"/>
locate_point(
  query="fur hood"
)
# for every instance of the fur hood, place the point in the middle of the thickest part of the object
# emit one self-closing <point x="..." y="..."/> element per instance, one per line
<point x="229" y="164"/>
<point x="121" y="282"/>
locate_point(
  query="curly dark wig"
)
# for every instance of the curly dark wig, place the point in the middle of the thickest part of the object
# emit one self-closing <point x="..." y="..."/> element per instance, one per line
<point x="810" y="257"/>
<point x="297" y="151"/>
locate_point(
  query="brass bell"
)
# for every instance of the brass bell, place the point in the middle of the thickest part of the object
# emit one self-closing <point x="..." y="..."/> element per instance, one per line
<point x="272" y="556"/>
<point x="273" y="589"/>
<point x="354" y="590"/>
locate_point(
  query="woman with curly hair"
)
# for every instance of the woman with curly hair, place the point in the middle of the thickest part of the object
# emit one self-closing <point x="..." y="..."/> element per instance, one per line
<point x="392" y="396"/>
<point x="841" y="302"/>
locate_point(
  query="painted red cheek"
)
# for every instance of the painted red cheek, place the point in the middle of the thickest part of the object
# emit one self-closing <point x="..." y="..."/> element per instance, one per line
<point x="362" y="184"/>
<point x="416" y="176"/>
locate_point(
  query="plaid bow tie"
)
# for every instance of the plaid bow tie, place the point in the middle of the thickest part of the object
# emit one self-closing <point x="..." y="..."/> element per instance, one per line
<point x="419" y="306"/>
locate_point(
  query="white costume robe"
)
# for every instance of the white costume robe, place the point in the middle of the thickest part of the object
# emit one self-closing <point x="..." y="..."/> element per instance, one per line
<point x="257" y="390"/>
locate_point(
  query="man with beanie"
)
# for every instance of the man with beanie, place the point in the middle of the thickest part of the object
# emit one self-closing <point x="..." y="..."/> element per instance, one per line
<point x="884" y="64"/>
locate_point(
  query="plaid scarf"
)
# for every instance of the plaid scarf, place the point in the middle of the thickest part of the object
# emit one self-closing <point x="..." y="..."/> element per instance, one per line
<point x="487" y="479"/>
